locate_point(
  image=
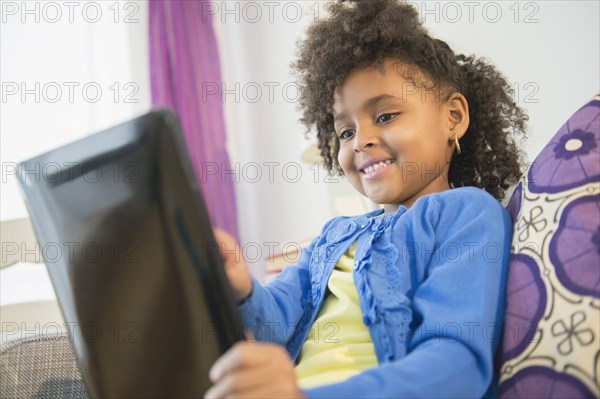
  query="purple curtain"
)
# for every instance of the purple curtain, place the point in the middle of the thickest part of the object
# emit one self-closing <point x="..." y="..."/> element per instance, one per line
<point x="184" y="62"/>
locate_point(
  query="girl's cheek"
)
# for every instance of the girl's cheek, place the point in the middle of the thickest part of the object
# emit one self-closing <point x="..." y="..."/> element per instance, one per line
<point x="343" y="159"/>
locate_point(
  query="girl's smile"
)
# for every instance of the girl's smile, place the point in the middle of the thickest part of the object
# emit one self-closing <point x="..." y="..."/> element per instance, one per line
<point x="374" y="168"/>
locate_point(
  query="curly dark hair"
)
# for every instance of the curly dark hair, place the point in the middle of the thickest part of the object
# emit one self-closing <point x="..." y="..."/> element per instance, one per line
<point x="363" y="33"/>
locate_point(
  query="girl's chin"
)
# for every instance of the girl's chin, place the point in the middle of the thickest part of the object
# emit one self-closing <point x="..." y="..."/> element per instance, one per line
<point x="381" y="200"/>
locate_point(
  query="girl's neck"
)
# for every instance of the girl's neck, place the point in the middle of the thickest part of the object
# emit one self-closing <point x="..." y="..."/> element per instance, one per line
<point x="390" y="208"/>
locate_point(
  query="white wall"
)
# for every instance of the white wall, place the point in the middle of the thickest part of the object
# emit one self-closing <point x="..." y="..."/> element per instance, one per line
<point x="53" y="59"/>
<point x="554" y="60"/>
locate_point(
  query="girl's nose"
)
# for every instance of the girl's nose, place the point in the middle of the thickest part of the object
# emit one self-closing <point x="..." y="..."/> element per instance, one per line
<point x="364" y="138"/>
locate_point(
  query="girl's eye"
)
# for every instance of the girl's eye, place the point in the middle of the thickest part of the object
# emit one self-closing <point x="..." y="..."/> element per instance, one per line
<point x="346" y="134"/>
<point x="386" y="118"/>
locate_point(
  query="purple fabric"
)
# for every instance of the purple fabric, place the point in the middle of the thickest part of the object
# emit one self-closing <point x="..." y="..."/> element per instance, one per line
<point x="575" y="248"/>
<point x="571" y="158"/>
<point x="543" y="383"/>
<point x="527" y="297"/>
<point x="514" y="205"/>
<point x="564" y="242"/>
<point x="184" y="67"/>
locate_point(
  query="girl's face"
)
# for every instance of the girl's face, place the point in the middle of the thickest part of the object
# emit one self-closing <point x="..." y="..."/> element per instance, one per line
<point x="396" y="140"/>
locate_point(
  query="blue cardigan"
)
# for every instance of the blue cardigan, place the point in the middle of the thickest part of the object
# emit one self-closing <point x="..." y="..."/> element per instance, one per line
<point x="430" y="281"/>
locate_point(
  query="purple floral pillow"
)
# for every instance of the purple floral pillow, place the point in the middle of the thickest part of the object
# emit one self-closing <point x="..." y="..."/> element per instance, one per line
<point x="551" y="342"/>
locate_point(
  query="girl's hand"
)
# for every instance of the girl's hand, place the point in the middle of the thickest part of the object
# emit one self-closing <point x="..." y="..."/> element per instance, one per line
<point x="235" y="266"/>
<point x="254" y="370"/>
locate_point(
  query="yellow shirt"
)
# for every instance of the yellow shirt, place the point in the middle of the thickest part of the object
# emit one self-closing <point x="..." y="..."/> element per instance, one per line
<point x="338" y="345"/>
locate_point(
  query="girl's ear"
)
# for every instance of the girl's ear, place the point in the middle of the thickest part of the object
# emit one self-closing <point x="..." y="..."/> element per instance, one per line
<point x="458" y="115"/>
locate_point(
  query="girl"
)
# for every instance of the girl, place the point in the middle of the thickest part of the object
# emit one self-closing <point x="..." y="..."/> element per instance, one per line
<point x="406" y="301"/>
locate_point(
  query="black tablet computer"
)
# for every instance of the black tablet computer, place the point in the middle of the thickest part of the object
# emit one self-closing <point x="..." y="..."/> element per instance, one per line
<point x="130" y="251"/>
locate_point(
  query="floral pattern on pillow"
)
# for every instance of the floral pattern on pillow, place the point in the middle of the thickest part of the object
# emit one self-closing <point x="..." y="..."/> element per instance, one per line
<point x="551" y="341"/>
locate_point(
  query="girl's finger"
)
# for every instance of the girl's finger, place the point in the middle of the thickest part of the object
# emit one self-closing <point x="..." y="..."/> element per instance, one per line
<point x="225" y="364"/>
<point x="249" y="335"/>
<point x="221" y="389"/>
<point x="239" y="382"/>
<point x="241" y="354"/>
